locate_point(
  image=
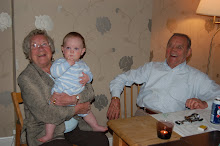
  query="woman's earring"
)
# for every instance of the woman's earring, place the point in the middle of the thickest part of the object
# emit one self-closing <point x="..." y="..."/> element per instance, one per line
<point x="52" y="59"/>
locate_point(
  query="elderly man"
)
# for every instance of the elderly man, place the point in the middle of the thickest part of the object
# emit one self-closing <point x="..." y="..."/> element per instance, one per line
<point x="168" y="86"/>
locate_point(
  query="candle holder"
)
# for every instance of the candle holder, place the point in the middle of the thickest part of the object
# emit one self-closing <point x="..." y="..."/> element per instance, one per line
<point x="164" y="129"/>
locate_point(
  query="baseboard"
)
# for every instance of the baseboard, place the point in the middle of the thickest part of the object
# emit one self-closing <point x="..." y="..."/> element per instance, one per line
<point x="9" y="137"/>
<point x="110" y="139"/>
<point x="7" y="141"/>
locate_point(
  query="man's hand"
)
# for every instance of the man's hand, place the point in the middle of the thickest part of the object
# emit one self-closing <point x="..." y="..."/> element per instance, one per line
<point x="195" y="103"/>
<point x="63" y="99"/>
<point x="114" y="109"/>
<point x="82" y="108"/>
<point x="84" y="79"/>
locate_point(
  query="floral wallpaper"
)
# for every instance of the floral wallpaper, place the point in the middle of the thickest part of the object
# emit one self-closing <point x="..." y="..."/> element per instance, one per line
<point x="126" y="63"/>
<point x="103" y="24"/>
<point x="44" y="22"/>
<point x="101" y="101"/>
<point x="5" y="21"/>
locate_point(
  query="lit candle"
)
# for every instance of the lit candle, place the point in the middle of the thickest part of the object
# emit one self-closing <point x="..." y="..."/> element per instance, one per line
<point x="163" y="132"/>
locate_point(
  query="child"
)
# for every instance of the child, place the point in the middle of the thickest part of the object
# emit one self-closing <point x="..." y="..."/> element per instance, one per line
<point x="71" y="74"/>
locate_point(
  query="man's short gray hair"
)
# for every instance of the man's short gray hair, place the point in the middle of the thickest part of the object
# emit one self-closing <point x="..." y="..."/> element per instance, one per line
<point x="182" y="35"/>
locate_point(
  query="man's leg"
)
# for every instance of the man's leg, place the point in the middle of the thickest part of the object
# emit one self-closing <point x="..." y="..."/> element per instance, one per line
<point x="86" y="138"/>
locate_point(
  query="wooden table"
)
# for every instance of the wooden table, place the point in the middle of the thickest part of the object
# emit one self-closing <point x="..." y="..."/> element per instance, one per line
<point x="136" y="131"/>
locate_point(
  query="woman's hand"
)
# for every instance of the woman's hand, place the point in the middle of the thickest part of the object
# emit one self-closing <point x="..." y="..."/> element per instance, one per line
<point x="195" y="103"/>
<point x="82" y="108"/>
<point x="63" y="99"/>
<point x="114" y="109"/>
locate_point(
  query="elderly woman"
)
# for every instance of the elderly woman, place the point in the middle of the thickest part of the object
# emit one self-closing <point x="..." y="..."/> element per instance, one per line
<point x="40" y="107"/>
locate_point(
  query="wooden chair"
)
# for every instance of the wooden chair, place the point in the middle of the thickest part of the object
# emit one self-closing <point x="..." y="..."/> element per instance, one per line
<point x="17" y="99"/>
<point x="130" y="94"/>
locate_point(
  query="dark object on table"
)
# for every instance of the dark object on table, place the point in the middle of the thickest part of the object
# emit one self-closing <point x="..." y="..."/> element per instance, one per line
<point x="172" y="143"/>
<point x="205" y="139"/>
<point x="192" y="118"/>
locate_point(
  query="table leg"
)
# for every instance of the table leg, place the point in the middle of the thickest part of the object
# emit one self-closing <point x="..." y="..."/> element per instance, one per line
<point x="117" y="141"/>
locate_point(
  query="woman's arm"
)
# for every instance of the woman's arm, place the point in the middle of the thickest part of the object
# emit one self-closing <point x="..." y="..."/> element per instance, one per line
<point x="35" y="94"/>
<point x="63" y="99"/>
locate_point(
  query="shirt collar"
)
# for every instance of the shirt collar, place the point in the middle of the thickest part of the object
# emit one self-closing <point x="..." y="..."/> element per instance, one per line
<point x="178" y="67"/>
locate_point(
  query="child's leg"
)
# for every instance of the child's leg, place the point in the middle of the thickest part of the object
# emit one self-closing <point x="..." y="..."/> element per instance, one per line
<point x="49" y="133"/>
<point x="91" y="120"/>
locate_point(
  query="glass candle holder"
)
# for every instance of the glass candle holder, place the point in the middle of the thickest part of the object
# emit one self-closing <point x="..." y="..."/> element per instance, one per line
<point x="164" y="129"/>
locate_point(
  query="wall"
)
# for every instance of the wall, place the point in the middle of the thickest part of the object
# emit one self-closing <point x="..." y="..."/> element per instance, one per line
<point x="117" y="35"/>
<point x="180" y="16"/>
<point x="6" y="70"/>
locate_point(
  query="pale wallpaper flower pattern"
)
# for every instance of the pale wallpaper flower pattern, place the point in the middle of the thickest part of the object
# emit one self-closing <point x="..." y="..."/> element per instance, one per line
<point x="44" y="22"/>
<point x="5" y="21"/>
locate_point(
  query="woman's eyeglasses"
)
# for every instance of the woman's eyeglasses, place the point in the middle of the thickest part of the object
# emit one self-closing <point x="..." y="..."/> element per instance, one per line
<point x="37" y="46"/>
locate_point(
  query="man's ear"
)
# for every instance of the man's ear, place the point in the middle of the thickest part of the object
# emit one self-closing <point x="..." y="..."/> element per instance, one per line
<point x="189" y="53"/>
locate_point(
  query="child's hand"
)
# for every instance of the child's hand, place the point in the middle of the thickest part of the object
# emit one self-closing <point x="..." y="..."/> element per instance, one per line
<point x="84" y="79"/>
<point x="70" y="60"/>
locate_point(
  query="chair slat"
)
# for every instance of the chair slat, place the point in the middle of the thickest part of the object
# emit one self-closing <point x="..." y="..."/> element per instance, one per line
<point x="130" y="98"/>
<point x="132" y="101"/>
<point x="125" y="104"/>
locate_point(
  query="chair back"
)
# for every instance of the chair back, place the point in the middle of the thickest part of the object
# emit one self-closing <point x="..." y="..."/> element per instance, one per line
<point x="128" y="103"/>
<point x="17" y="99"/>
<point x="130" y="95"/>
